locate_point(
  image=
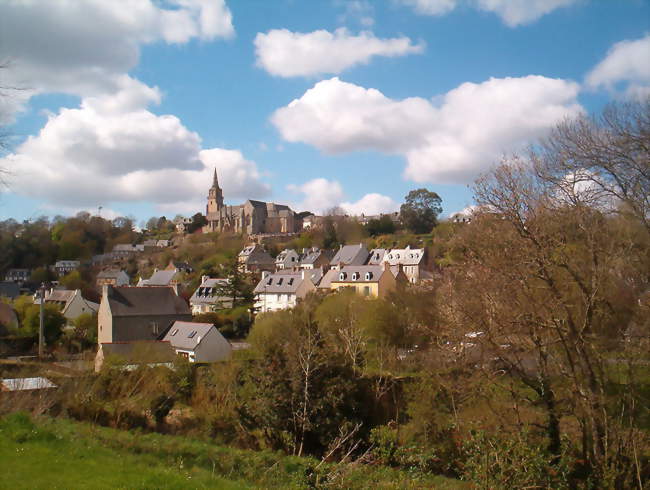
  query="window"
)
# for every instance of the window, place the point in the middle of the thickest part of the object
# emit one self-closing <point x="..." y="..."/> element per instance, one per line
<point x="270" y="281"/>
<point x="355" y="276"/>
<point x="366" y="290"/>
<point x="280" y="281"/>
<point x="174" y="332"/>
<point x="290" y="281"/>
<point x="154" y="328"/>
<point x="191" y="334"/>
<point x="342" y="276"/>
<point x="368" y="276"/>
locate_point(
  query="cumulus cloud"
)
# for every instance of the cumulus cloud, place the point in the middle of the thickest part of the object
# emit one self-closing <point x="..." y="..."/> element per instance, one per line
<point x="112" y="149"/>
<point x="288" y="54"/>
<point x="512" y="12"/>
<point x="626" y="65"/>
<point x="85" y="47"/>
<point x="321" y="195"/>
<point x="451" y="141"/>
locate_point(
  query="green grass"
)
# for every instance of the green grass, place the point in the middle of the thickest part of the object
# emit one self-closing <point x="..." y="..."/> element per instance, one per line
<point x="59" y="453"/>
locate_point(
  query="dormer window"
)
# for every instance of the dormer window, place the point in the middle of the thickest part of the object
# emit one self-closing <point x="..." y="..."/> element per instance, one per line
<point x="342" y="276"/>
<point x="368" y="276"/>
<point x="191" y="334"/>
<point x="290" y="281"/>
<point x="355" y="276"/>
<point x="280" y="281"/>
<point x="270" y="281"/>
<point x="174" y="332"/>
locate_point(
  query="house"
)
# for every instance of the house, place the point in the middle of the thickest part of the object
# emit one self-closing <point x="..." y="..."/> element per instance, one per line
<point x="412" y="261"/>
<point x="17" y="275"/>
<point x="287" y="259"/>
<point x="278" y="291"/>
<point x="350" y="255"/>
<point x="368" y="280"/>
<point x="63" y="267"/>
<point x="125" y="250"/>
<point x="314" y="258"/>
<point x="254" y="258"/>
<point x="130" y="355"/>
<point x="70" y="301"/>
<point x="182" y="224"/>
<point x="198" y="342"/>
<point x="113" y="277"/>
<point x="138" y="313"/>
<point x="206" y="298"/>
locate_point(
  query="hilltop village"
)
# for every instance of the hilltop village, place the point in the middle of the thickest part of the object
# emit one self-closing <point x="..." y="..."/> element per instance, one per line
<point x="496" y="345"/>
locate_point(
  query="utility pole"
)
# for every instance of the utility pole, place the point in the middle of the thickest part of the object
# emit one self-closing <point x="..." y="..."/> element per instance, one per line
<point x="41" y="323"/>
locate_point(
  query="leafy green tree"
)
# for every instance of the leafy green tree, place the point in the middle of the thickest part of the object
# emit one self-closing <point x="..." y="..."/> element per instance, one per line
<point x="198" y="222"/>
<point x="382" y="226"/>
<point x="53" y="323"/>
<point x="420" y="211"/>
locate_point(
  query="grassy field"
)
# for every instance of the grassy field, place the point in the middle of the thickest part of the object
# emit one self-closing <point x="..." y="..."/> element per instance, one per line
<point x="58" y="453"/>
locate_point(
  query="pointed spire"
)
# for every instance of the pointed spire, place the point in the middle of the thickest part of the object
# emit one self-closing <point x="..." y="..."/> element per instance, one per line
<point x="215" y="180"/>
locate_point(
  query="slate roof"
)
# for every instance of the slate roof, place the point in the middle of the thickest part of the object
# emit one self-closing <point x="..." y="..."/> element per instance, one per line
<point x="328" y="277"/>
<point x="141" y="351"/>
<point x="109" y="274"/>
<point x="313" y="255"/>
<point x="23" y="384"/>
<point x="9" y="289"/>
<point x="351" y="255"/>
<point x="206" y="292"/>
<point x="279" y="283"/>
<point x="145" y="301"/>
<point x="404" y="256"/>
<point x="160" y="278"/>
<point x="187" y="335"/>
<point x="377" y="256"/>
<point x="359" y="271"/>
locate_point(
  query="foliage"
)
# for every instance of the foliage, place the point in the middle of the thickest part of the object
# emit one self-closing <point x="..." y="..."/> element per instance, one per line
<point x="53" y="322"/>
<point x="420" y="211"/>
<point x="381" y="226"/>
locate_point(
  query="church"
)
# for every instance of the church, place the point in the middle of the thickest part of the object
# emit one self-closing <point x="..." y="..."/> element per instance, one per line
<point x="251" y="218"/>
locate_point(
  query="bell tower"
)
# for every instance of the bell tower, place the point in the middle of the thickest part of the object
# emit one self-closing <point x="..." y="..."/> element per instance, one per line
<point x="215" y="199"/>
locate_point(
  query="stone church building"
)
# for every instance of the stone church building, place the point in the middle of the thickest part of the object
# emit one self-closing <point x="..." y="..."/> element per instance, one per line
<point x="251" y="218"/>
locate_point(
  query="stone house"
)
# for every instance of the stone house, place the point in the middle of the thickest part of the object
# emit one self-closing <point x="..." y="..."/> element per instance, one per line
<point x="374" y="281"/>
<point x="70" y="301"/>
<point x="112" y="277"/>
<point x="138" y="313"/>
<point x="253" y="258"/>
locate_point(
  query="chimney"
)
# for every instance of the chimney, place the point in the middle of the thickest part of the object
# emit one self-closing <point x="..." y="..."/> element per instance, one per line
<point x="204" y="278"/>
<point x="175" y="288"/>
<point x="302" y="274"/>
<point x="265" y="274"/>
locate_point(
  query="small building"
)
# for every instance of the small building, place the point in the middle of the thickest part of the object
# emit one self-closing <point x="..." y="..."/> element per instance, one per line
<point x="112" y="277"/>
<point x="126" y="250"/>
<point x="367" y="280"/>
<point x="254" y="258"/>
<point x="17" y="275"/>
<point x="138" y="313"/>
<point x="198" y="342"/>
<point x="63" y="267"/>
<point x="179" y="267"/>
<point x="70" y="301"/>
<point x="182" y="224"/>
<point x="279" y="291"/>
<point x="130" y="355"/>
<point x="350" y="255"/>
<point x="314" y="258"/>
<point x="206" y="298"/>
<point x="287" y="259"/>
<point x="162" y="278"/>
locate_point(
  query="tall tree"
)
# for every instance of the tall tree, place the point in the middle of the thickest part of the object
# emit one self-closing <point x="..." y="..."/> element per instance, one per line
<point x="420" y="211"/>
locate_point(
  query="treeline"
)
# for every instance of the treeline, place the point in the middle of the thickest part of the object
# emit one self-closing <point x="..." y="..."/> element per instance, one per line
<point x="39" y="243"/>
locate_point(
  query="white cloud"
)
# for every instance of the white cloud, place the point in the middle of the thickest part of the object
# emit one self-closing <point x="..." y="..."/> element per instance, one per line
<point x="321" y="195"/>
<point x="467" y="130"/>
<point x="431" y="7"/>
<point x="112" y="149"/>
<point x="627" y="63"/>
<point x="288" y="54"/>
<point x="85" y="47"/>
<point x="512" y="12"/>
<point x="371" y="204"/>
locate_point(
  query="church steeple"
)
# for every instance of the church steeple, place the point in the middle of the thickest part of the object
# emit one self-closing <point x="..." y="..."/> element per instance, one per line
<point x="215" y="180"/>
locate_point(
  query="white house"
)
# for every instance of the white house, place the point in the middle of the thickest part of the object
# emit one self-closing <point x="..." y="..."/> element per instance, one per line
<point x="206" y="298"/>
<point x="411" y="260"/>
<point x="279" y="291"/>
<point x="63" y="267"/>
<point x="198" y="342"/>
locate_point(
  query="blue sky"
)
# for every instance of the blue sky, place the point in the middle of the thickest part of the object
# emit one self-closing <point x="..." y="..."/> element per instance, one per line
<point x="129" y="105"/>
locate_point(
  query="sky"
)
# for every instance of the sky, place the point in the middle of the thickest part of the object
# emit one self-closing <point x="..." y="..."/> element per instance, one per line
<point x="125" y="108"/>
